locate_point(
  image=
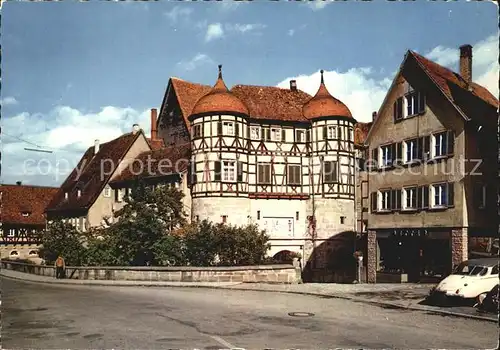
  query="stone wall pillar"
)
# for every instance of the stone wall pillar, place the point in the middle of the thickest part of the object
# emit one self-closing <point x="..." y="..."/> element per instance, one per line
<point x="459" y="248"/>
<point x="371" y="258"/>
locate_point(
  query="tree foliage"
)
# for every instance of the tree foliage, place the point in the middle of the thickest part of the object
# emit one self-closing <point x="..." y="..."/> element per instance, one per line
<point x="62" y="239"/>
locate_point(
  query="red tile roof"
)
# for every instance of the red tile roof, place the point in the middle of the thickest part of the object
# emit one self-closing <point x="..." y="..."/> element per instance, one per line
<point x="219" y="99"/>
<point x="273" y="103"/>
<point x="361" y="132"/>
<point x="323" y="104"/>
<point x="17" y="199"/>
<point x="188" y="94"/>
<point x="94" y="176"/>
<point x="156" y="144"/>
<point x="443" y="77"/>
<point x="165" y="161"/>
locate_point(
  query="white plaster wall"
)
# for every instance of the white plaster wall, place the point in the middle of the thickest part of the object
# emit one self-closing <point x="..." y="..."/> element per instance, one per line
<point x="23" y="251"/>
<point x="213" y="208"/>
<point x="328" y="213"/>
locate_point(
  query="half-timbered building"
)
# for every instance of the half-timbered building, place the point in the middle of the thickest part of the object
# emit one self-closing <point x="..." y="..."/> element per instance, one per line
<point x="22" y="218"/>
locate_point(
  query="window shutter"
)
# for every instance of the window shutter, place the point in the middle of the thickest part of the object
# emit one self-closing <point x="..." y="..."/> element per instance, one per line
<point x="426" y="147"/>
<point x="424" y="193"/>
<point x="339" y="132"/>
<point x="219" y="128"/>
<point x="268" y="134"/>
<point x="393" y="153"/>
<point x="396" y="199"/>
<point x="373" y="201"/>
<point x="450" y="139"/>
<point x="324" y="133"/>
<point x="283" y="135"/>
<point x="308" y="135"/>
<point x="193" y="173"/>
<point x="398" y="109"/>
<point x="335" y="171"/>
<point x="374" y="160"/>
<point x="327" y="169"/>
<point x="217" y="171"/>
<point x="421" y="102"/>
<point x="236" y="129"/>
<point x="240" y="171"/>
<point x="399" y="153"/>
<point x="116" y="195"/>
<point x="451" y="194"/>
<point x="420" y="148"/>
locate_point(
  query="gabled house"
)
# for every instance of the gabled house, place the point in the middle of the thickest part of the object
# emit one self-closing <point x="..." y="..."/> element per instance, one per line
<point x="22" y="218"/>
<point x="85" y="199"/>
<point x="432" y="170"/>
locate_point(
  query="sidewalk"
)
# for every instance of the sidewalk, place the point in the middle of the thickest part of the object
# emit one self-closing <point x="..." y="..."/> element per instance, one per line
<point x="393" y="296"/>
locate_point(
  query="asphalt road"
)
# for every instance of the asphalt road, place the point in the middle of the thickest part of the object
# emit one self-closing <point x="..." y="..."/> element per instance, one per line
<point x="85" y="317"/>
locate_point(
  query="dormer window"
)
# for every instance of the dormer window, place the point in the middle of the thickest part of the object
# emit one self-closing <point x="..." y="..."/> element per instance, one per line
<point x="25" y="214"/>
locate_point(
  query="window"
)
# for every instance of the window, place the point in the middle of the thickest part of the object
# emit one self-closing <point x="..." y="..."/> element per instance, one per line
<point x="384" y="201"/>
<point x="330" y="171"/>
<point x="275" y="134"/>
<point x="411" y="150"/>
<point x="255" y="132"/>
<point x="350" y="134"/>
<point x="296" y="215"/>
<point x="442" y="195"/>
<point x="229" y="171"/>
<point x="300" y="136"/>
<point x="293" y="175"/>
<point x="65" y="195"/>
<point x="443" y="143"/>
<point x="196" y="130"/>
<point x="228" y="128"/>
<point x="342" y="220"/>
<point x="386" y="155"/>
<point x="107" y="191"/>
<point x="224" y="219"/>
<point x="415" y="103"/>
<point x="258" y="214"/>
<point x="410" y="198"/>
<point x="118" y="195"/>
<point x="79" y="193"/>
<point x="12" y="233"/>
<point x="332" y="132"/>
<point x="266" y="134"/>
<point x="264" y="174"/>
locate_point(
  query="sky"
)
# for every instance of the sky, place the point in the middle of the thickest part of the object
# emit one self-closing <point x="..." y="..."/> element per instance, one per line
<point x="73" y="72"/>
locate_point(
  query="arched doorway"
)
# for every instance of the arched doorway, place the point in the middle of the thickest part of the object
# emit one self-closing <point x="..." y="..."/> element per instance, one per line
<point x="284" y="257"/>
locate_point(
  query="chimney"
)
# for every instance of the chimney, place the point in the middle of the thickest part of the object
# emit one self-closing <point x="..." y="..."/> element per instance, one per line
<point x="466" y="63"/>
<point x="374" y="116"/>
<point x="293" y="85"/>
<point x="135" y="129"/>
<point x="19" y="183"/>
<point x="96" y="146"/>
<point x="154" y="132"/>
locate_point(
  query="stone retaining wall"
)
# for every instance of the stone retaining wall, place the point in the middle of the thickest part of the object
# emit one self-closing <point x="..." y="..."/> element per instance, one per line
<point x="254" y="274"/>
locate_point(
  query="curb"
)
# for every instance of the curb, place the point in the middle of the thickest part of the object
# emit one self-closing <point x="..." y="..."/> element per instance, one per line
<point x="231" y="287"/>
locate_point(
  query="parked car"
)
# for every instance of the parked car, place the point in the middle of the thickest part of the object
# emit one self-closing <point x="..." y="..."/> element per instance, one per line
<point x="470" y="279"/>
<point x="488" y="302"/>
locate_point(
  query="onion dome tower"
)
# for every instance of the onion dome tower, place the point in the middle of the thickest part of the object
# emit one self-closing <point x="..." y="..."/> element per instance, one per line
<point x="219" y="100"/>
<point x="331" y="207"/>
<point x="219" y="158"/>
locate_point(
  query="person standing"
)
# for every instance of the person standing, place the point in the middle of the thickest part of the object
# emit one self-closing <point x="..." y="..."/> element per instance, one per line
<point x="60" y="266"/>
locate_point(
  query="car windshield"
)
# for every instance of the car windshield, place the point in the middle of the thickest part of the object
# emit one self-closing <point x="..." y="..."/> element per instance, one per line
<point x="470" y="270"/>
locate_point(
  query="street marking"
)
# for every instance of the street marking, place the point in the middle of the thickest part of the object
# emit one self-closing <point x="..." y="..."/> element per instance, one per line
<point x="223" y="342"/>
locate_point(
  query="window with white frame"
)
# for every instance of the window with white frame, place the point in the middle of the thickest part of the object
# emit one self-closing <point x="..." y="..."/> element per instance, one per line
<point x="439" y="195"/>
<point x="415" y="103"/>
<point x="255" y="132"/>
<point x="264" y="173"/>
<point x="196" y="130"/>
<point x="107" y="191"/>
<point x="293" y="174"/>
<point x="386" y="155"/>
<point x="229" y="170"/>
<point x="79" y="193"/>
<point x="228" y="128"/>
<point x="275" y="134"/>
<point x="440" y="142"/>
<point x="384" y="200"/>
<point x="11" y="233"/>
<point x="410" y="198"/>
<point x="332" y="132"/>
<point x="410" y="150"/>
<point x="300" y="135"/>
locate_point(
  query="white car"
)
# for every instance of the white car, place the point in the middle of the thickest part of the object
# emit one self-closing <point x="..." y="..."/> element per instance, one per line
<point x="470" y="279"/>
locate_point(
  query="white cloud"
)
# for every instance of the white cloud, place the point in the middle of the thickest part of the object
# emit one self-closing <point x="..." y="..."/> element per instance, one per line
<point x="356" y="87"/>
<point x="243" y="28"/>
<point x="179" y="12"/>
<point x="66" y="131"/>
<point x="291" y="32"/>
<point x="317" y="5"/>
<point x="484" y="61"/>
<point x="9" y="101"/>
<point x="195" y="62"/>
<point x="214" y="31"/>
